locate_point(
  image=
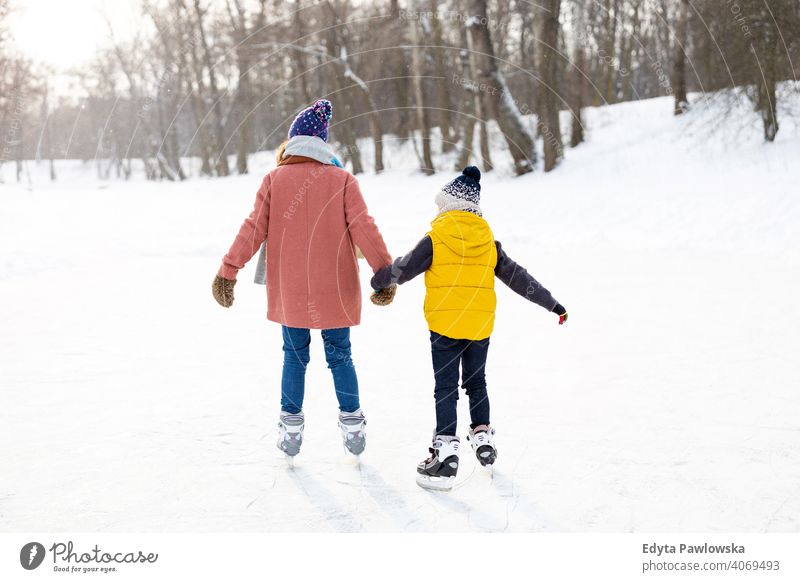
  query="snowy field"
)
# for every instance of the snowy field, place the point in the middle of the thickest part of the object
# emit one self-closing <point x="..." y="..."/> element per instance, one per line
<point x="669" y="402"/>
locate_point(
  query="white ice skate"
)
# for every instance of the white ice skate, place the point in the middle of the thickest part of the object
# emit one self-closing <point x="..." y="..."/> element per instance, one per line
<point x="290" y="434"/>
<point x="482" y="440"/>
<point x="439" y="471"/>
<point x="354" y="431"/>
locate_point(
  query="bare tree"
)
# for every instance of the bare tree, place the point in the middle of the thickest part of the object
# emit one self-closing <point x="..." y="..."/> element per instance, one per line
<point x="221" y="161"/>
<point x="480" y="104"/>
<point x="344" y="62"/>
<point x="243" y="33"/>
<point x="504" y="108"/>
<point x="611" y="10"/>
<point x="630" y="42"/>
<point x="418" y="70"/>
<point x="776" y="27"/>
<point x="679" y="61"/>
<point x="442" y="94"/>
<point x="549" y="123"/>
<point x="468" y="111"/>
<point x="578" y="84"/>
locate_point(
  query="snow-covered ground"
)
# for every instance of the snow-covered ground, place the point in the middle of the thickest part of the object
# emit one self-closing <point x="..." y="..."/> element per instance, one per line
<point x="669" y="402"/>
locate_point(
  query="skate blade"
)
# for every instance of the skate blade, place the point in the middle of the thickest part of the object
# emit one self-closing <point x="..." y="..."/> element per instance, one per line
<point x="435" y="483"/>
<point x="356" y="457"/>
<point x="487" y="457"/>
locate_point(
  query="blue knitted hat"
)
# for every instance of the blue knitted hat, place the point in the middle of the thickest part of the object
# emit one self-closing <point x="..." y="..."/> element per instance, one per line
<point x="313" y="120"/>
<point x="463" y="193"/>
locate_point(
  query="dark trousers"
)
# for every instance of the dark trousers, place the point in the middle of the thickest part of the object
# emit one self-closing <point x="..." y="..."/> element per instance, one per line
<point x="448" y="356"/>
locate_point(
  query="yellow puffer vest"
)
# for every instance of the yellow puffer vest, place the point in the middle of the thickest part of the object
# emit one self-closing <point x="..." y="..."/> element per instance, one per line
<point x="460" y="300"/>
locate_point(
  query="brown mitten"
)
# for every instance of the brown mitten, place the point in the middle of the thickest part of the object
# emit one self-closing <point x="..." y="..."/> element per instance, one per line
<point x="384" y="296"/>
<point x="223" y="290"/>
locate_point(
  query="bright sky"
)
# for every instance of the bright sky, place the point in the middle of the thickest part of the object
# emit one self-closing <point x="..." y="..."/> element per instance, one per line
<point x="66" y="33"/>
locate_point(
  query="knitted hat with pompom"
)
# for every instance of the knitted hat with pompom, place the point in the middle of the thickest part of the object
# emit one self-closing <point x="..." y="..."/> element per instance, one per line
<point x="313" y="120"/>
<point x="463" y="193"/>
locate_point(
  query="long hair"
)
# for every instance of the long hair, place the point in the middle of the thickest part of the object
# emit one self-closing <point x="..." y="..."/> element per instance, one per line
<point x="281" y="149"/>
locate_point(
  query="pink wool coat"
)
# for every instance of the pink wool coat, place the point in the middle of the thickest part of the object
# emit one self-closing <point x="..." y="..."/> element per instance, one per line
<point x="312" y="216"/>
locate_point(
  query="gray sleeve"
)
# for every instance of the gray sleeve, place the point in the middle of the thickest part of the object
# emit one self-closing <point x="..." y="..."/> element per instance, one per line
<point x="520" y="281"/>
<point x="406" y="267"/>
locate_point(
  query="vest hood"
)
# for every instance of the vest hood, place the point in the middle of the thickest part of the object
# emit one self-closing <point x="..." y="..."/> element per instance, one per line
<point x="464" y="233"/>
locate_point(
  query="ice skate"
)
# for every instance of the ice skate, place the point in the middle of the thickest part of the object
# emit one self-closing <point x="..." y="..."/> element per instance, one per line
<point x="290" y="434"/>
<point x="354" y="434"/>
<point x="438" y="472"/>
<point x="482" y="440"/>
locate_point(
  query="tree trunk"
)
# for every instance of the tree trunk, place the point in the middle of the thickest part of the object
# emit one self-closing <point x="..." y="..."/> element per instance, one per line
<point x="299" y="56"/>
<point x="610" y="49"/>
<point x="479" y="105"/>
<point x="679" y="62"/>
<point x="344" y="129"/>
<point x="377" y="132"/>
<point x="549" y="122"/>
<point x="195" y="88"/>
<point x="170" y="135"/>
<point x="221" y="163"/>
<point x="518" y="137"/>
<point x="628" y="52"/>
<point x="766" y="48"/>
<point x="468" y="111"/>
<point x="527" y="50"/>
<point x="443" y="95"/>
<point x="243" y="105"/>
<point x="418" y="73"/>
<point x="579" y="80"/>
<point x="375" y="126"/>
<point x="766" y="95"/>
<point x="340" y="38"/>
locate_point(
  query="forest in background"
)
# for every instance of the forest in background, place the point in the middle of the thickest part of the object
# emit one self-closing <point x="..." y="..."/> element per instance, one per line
<point x="218" y="80"/>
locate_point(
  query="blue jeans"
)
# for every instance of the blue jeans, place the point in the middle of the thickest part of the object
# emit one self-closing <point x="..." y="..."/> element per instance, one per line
<point x="296" y="342"/>
<point x="448" y="356"/>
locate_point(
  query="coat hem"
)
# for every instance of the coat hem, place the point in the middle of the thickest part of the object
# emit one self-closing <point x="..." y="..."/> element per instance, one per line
<point x="305" y="324"/>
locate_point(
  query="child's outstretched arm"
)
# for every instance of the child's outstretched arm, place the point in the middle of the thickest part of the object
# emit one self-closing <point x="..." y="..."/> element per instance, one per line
<point x="523" y="283"/>
<point x="405" y="268"/>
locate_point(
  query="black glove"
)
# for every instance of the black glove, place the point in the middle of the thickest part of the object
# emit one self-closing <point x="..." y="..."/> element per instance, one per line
<point x="561" y="312"/>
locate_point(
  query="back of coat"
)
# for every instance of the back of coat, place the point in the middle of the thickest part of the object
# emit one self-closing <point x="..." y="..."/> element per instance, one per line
<point x="312" y="216"/>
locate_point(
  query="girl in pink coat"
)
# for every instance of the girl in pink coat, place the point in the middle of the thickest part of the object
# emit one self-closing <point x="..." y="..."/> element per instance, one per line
<point x="312" y="216"/>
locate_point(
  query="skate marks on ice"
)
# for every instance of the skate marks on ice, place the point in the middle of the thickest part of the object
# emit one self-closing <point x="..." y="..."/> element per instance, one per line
<point x="491" y="501"/>
<point x="392" y="501"/>
<point x="351" y="495"/>
<point x="371" y="494"/>
<point x="519" y="503"/>
<point x="342" y="519"/>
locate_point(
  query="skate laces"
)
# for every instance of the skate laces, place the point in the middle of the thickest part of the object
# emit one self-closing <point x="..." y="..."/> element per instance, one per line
<point x="292" y="425"/>
<point x="481" y="435"/>
<point x="352" y="423"/>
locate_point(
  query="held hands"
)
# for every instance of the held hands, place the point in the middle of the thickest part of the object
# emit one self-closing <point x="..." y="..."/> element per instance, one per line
<point x="384" y="296"/>
<point x="223" y="290"/>
<point x="561" y="312"/>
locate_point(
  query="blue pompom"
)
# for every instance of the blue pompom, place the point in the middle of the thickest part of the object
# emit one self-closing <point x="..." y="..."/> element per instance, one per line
<point x="472" y="172"/>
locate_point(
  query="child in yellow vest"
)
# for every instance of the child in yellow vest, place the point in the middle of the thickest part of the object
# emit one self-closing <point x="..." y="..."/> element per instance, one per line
<point x="460" y="259"/>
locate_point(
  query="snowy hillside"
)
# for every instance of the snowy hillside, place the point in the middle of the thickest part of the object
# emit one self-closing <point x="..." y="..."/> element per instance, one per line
<point x="668" y="402"/>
